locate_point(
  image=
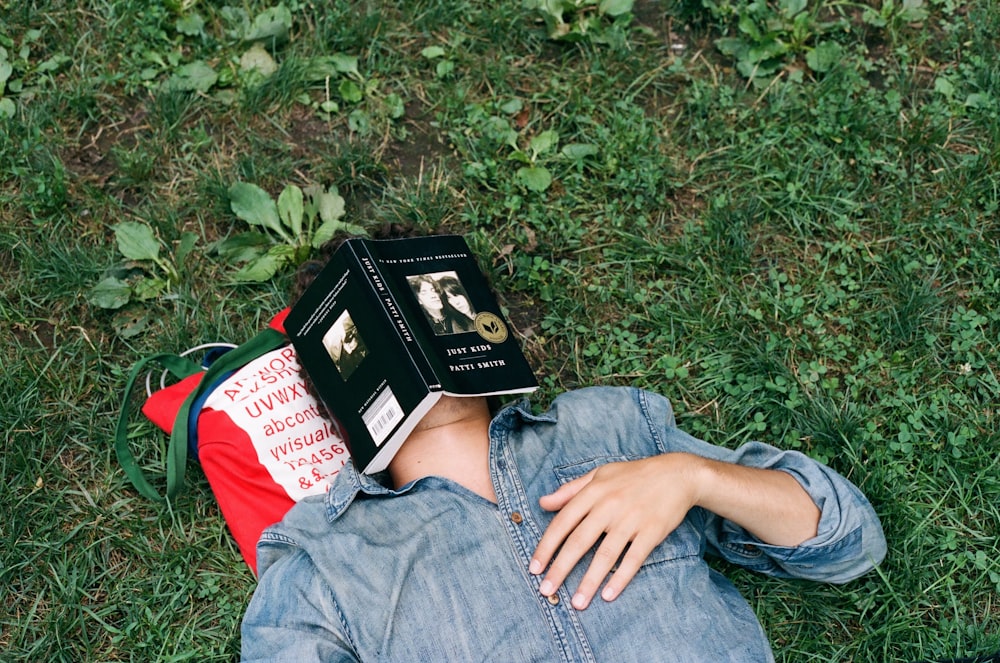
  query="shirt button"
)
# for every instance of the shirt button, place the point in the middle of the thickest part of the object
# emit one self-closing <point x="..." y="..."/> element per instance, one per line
<point x="554" y="599"/>
<point x="516" y="518"/>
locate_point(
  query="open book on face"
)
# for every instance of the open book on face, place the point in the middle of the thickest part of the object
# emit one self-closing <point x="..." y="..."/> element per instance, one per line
<point x="389" y="326"/>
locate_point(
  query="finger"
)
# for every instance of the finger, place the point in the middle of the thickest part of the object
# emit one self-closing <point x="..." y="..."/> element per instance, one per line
<point x="605" y="558"/>
<point x="628" y="566"/>
<point x="558" y="499"/>
<point x="577" y="544"/>
<point x="569" y="516"/>
<point x="561" y="526"/>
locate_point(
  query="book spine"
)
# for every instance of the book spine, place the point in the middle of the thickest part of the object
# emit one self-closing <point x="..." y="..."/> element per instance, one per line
<point x="392" y="306"/>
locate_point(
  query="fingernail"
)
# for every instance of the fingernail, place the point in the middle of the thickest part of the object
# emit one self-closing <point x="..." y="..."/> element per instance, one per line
<point x="608" y="593"/>
<point x="546" y="588"/>
<point x="535" y="567"/>
<point x="579" y="601"/>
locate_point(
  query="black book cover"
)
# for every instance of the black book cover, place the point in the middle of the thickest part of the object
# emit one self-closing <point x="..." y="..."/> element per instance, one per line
<point x="388" y="326"/>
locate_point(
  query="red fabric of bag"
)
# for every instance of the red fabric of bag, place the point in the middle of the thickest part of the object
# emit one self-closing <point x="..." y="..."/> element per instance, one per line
<point x="261" y="441"/>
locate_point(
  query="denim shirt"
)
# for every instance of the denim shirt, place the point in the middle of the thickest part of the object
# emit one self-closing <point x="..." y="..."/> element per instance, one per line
<point x="434" y="572"/>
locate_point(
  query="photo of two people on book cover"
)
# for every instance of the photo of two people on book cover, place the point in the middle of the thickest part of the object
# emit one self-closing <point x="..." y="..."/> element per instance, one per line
<point x="444" y="301"/>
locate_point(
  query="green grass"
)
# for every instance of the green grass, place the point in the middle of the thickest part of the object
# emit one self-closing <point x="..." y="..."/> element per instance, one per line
<point x="808" y="258"/>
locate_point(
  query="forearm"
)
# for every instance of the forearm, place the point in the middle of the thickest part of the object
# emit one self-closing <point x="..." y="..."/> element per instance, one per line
<point x="769" y="504"/>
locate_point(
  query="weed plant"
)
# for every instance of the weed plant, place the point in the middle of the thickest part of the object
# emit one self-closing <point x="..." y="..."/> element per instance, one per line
<point x="785" y="218"/>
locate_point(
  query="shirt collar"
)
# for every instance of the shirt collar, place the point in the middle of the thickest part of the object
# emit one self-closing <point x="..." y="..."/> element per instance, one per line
<point x="348" y="484"/>
<point x="350" y="481"/>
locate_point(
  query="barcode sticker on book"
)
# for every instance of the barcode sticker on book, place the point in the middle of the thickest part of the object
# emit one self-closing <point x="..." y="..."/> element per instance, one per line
<point x="382" y="416"/>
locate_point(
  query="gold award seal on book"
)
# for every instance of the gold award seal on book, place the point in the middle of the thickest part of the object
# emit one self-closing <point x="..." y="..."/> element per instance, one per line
<point x="491" y="327"/>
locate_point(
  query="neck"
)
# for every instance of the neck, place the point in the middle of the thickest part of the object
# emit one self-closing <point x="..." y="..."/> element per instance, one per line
<point x="452" y="441"/>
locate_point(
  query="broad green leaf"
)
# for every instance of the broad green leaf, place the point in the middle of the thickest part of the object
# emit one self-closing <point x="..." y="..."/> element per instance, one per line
<point x="253" y="205"/>
<point x="329" y="66"/>
<point x="130" y="323"/>
<point x="148" y="288"/>
<point x="345" y="64"/>
<point x="7" y="108"/>
<point x="824" y="57"/>
<point x="256" y="58"/>
<point x="290" y="209"/>
<point x="617" y="7"/>
<point x="350" y="91"/>
<point x="359" y="122"/>
<point x="978" y="100"/>
<point x="767" y="49"/>
<point x="520" y="155"/>
<point x="536" y="178"/>
<point x="259" y="269"/>
<point x="394" y="105"/>
<point x="54" y="63"/>
<point x="328" y="229"/>
<point x="544" y="142"/>
<point x="578" y="151"/>
<point x="913" y="11"/>
<point x="267" y="265"/>
<point x="193" y="77"/>
<point x="732" y="46"/>
<point x="136" y="241"/>
<point x="111" y="293"/>
<point x="432" y="52"/>
<point x="872" y="17"/>
<point x="6" y="69"/>
<point x="444" y="67"/>
<point x="756" y="70"/>
<point x="330" y="205"/>
<point x="243" y="247"/>
<point x="944" y="86"/>
<point x="192" y="25"/>
<point x="499" y="129"/>
<point x="791" y="8"/>
<point x="184" y="248"/>
<point x="749" y="27"/>
<point x="511" y="107"/>
<point x="271" y="25"/>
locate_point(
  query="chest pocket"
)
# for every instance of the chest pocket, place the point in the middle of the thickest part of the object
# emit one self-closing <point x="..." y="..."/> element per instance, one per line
<point x="683" y="542"/>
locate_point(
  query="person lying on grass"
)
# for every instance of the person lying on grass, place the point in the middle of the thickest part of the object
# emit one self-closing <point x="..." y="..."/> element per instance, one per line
<point x="574" y="535"/>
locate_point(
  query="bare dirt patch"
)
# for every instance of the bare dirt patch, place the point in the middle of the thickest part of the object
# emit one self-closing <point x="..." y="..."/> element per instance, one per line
<point x="91" y="160"/>
<point x="424" y="145"/>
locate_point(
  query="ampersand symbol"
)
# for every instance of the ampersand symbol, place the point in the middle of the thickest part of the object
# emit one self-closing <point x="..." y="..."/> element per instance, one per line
<point x="317" y="475"/>
<point x="304" y="483"/>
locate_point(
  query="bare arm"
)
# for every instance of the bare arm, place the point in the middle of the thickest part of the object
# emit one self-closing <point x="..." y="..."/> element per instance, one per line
<point x="635" y="505"/>
<point x="769" y="504"/>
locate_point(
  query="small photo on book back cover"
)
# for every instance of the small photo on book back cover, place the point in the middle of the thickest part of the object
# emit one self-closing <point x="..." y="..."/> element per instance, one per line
<point x="344" y="344"/>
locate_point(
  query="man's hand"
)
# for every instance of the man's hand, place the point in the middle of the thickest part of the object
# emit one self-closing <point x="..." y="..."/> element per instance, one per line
<point x="635" y="505"/>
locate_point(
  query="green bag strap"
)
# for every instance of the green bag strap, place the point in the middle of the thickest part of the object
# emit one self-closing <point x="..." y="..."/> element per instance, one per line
<point x="177" y="447"/>
<point x="179" y="367"/>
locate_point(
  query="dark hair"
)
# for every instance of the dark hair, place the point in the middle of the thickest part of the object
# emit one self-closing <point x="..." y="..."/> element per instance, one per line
<point x="449" y="284"/>
<point x="310" y="269"/>
<point x="419" y="280"/>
